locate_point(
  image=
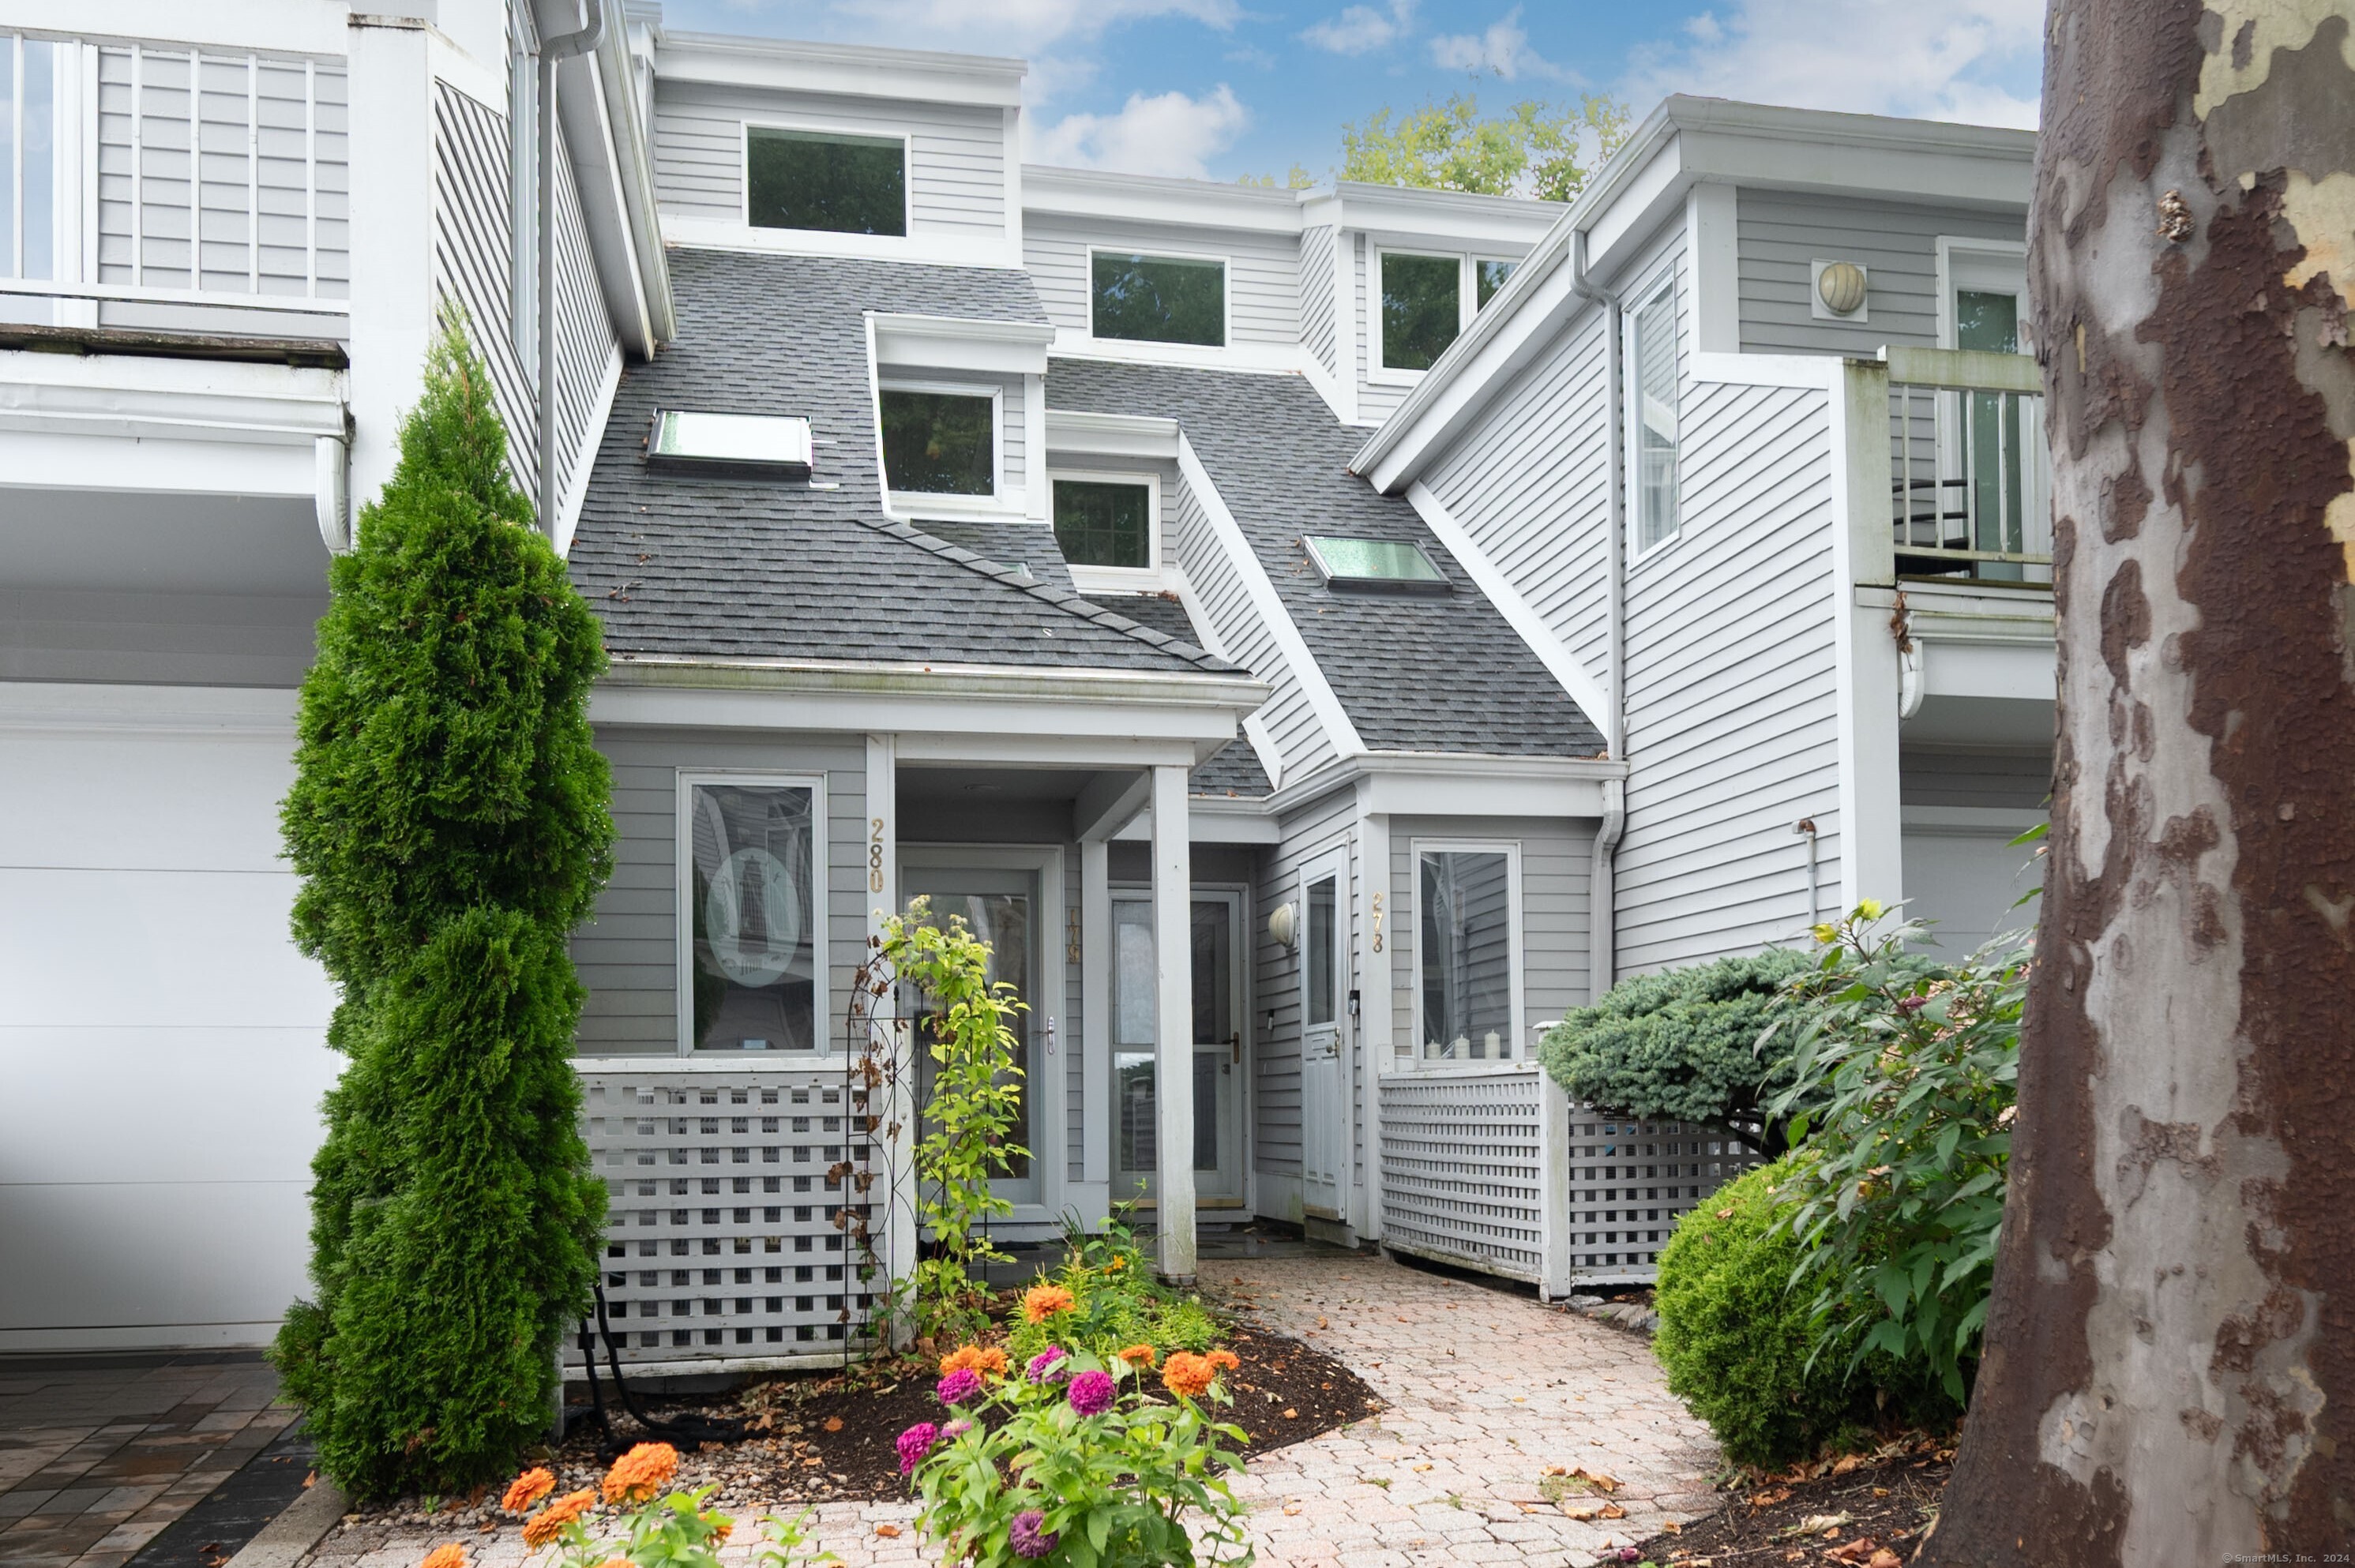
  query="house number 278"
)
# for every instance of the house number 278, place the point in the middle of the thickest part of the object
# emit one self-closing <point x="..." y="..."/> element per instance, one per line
<point x="1377" y="922"/>
<point x="875" y="856"/>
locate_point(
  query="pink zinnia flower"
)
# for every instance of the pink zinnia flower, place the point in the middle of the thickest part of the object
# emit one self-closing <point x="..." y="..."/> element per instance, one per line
<point x="958" y="1386"/>
<point x="1043" y="1364"/>
<point x="915" y="1443"/>
<point x="1028" y="1534"/>
<point x="1090" y="1393"/>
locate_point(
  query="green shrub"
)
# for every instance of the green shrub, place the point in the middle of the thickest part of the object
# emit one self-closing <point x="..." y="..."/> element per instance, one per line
<point x="449" y="821"/>
<point x="1682" y="1045"/>
<point x="1739" y="1343"/>
<point x="1117" y="1302"/>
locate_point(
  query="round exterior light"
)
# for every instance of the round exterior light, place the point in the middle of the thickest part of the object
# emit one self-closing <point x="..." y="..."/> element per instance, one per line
<point x="1841" y="287"/>
<point x="1284" y="924"/>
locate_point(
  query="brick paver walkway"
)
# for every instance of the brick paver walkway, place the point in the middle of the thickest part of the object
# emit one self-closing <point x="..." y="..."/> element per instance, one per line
<point x="1494" y="1400"/>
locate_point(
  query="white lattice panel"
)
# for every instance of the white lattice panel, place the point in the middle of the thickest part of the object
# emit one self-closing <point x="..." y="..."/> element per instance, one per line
<point x="1463" y="1170"/>
<point x="724" y="1237"/>
<point x="1628" y="1182"/>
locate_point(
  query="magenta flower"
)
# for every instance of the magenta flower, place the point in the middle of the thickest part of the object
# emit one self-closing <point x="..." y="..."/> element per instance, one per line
<point x="956" y="1429"/>
<point x="959" y="1386"/>
<point x="915" y="1443"/>
<point x="1090" y="1393"/>
<point x="1028" y="1534"/>
<point x="1043" y="1364"/>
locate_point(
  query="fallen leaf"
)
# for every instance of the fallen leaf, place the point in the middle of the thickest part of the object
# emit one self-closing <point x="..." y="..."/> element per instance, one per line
<point x="1291" y="1415"/>
<point x="1857" y="1551"/>
<point x="887" y="1531"/>
<point x="834" y="1424"/>
<point x="1291" y="1508"/>
<point x="1611" y="1510"/>
<point x="1321" y="1324"/>
<point x="1884" y="1558"/>
<point x="1770" y="1498"/>
<point x="1601" y="1483"/>
<point x="310" y="1480"/>
<point x="1819" y="1524"/>
<point x="1583" y="1515"/>
<point x="1725" y="1213"/>
<point x="1422" y="1467"/>
<point x="1846" y="1462"/>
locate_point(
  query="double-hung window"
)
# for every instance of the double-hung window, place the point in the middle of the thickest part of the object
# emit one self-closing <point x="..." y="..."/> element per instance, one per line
<point x="1467" y="931"/>
<point x="939" y="443"/>
<point x="1158" y="298"/>
<point x="825" y="180"/>
<point x="1652" y="414"/>
<point x="752" y="857"/>
<point x="28" y="157"/>
<point x="1103" y="520"/>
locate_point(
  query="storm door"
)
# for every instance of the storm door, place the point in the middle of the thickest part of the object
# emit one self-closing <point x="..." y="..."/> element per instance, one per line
<point x="1001" y="908"/>
<point x="1215" y="926"/>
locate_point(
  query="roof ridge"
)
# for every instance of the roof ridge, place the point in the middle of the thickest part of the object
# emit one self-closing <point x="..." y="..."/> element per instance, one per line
<point x="1072" y="604"/>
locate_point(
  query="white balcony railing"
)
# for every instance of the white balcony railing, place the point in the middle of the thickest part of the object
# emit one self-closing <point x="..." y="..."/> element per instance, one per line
<point x="1970" y="497"/>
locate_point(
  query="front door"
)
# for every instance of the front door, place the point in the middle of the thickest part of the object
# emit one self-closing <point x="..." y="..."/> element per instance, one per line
<point x="1217" y="1086"/>
<point x="1001" y="908"/>
<point x="1324" y="1045"/>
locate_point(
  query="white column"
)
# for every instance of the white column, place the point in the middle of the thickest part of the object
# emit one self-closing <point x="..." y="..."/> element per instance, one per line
<point x="1095" y="1017"/>
<point x="391" y="88"/>
<point x="881" y="884"/>
<point x="1173" y="951"/>
<point x="1373" y="1037"/>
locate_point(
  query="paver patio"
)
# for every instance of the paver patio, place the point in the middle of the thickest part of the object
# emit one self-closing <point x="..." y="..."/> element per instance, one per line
<point x="1487" y="1390"/>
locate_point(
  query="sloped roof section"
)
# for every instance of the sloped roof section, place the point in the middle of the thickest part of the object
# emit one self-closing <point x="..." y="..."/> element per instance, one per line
<point x="1414" y="673"/>
<point x="1234" y="771"/>
<point x="688" y="566"/>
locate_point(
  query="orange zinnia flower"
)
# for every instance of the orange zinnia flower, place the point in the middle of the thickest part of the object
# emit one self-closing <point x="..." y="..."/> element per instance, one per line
<point x="1041" y="1302"/>
<point x="1140" y="1355"/>
<point x="639" y="1473"/>
<point x="527" y="1488"/>
<point x="1188" y="1375"/>
<point x="451" y="1555"/>
<point x="617" y="1562"/>
<point x="1225" y="1360"/>
<point x="549" y="1523"/>
<point x="975" y="1357"/>
<point x="722" y="1530"/>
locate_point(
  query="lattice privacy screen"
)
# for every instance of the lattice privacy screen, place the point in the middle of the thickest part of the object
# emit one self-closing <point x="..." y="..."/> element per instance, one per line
<point x="1463" y="1170"/>
<point x="724" y="1234"/>
<point x="1630" y="1181"/>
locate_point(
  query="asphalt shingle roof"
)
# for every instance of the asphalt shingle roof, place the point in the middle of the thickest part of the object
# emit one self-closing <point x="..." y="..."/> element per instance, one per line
<point x="1414" y="673"/>
<point x="691" y="566"/>
<point x="1234" y="771"/>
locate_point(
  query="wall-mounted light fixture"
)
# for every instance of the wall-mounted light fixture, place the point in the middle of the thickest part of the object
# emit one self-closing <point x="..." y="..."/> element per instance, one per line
<point x="1283" y="924"/>
<point x="1839" y="292"/>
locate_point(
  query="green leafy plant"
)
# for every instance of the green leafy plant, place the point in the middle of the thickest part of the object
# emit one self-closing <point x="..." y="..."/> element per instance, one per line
<point x="1065" y="1461"/>
<point x="1533" y="149"/>
<point x="973" y="1108"/>
<point x="449" y="822"/>
<point x="636" y="1526"/>
<point x="1738" y="1342"/>
<point x="1116" y="1301"/>
<point x="1684" y="1045"/>
<point x="1913" y="1063"/>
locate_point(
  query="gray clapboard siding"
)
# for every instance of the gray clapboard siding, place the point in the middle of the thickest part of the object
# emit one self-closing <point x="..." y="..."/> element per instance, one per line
<point x="1263" y="269"/>
<point x="1999" y="781"/>
<point x="586" y="345"/>
<point x="1530" y="484"/>
<point x="1376" y="400"/>
<point x="1223" y="602"/>
<point x="627" y="953"/>
<point x="471" y="256"/>
<point x="1318" y="308"/>
<point x="1780" y="233"/>
<point x="238" y="168"/>
<point x="1731" y="715"/>
<point x="1309" y="834"/>
<point x="956" y="164"/>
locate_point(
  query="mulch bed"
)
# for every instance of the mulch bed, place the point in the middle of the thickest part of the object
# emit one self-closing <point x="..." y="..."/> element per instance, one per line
<point x="1871" y="1514"/>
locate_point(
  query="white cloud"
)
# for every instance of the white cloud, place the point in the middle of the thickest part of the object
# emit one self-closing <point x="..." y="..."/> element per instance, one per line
<point x="1361" y="29"/>
<point x="1169" y="133"/>
<point x="1974" y="61"/>
<point x="1503" y="50"/>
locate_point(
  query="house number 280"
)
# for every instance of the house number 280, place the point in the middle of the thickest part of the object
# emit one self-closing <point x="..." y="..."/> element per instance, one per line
<point x="875" y="856"/>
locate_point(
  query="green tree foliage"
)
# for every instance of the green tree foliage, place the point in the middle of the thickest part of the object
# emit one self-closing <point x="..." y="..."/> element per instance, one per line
<point x="1739" y="1343"/>
<point x="1296" y="178"/>
<point x="450" y="822"/>
<point x="1683" y="1045"/>
<point x="1533" y="149"/>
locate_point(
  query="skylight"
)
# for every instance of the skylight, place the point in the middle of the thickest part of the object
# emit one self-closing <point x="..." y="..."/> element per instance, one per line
<point x="1388" y="565"/>
<point x="752" y="445"/>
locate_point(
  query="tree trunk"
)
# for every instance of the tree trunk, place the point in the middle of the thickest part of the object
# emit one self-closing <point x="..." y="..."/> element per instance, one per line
<point x="2169" y="1374"/>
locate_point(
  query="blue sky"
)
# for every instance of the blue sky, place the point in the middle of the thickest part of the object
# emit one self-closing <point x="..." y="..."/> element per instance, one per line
<point x="1226" y="88"/>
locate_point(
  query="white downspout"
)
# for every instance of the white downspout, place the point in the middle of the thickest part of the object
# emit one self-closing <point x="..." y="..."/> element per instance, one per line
<point x="1602" y="940"/>
<point x="553" y="51"/>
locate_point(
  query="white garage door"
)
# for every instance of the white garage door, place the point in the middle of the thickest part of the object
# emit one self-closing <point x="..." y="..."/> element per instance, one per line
<point x="1963" y="871"/>
<point x="161" y="1040"/>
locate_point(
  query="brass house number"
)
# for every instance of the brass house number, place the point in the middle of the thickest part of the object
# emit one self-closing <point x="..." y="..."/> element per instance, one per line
<point x="875" y="856"/>
<point x="1377" y="922"/>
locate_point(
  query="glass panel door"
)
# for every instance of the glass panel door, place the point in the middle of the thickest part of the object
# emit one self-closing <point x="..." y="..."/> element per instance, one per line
<point x="1993" y="452"/>
<point x="1217" y="1085"/>
<point x="1001" y="909"/>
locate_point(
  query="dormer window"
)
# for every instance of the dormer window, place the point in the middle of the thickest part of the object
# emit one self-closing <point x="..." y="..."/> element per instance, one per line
<point x="1107" y="522"/>
<point x="825" y="180"/>
<point x="1423" y="302"/>
<point x="939" y="443"/>
<point x="1158" y="298"/>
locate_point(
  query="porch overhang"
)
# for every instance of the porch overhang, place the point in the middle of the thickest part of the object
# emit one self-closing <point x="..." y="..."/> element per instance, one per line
<point x="1461" y="784"/>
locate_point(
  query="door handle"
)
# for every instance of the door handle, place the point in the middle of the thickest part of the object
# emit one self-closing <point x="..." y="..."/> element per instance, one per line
<point x="1235" y="1043"/>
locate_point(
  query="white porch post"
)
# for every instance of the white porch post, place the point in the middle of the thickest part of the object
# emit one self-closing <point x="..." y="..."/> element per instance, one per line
<point x="1173" y="948"/>
<point x="899" y="1239"/>
<point x="1095" y="1017"/>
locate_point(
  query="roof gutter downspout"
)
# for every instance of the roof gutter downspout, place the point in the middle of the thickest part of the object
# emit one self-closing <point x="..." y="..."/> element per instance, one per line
<point x="1603" y="923"/>
<point x="552" y="52"/>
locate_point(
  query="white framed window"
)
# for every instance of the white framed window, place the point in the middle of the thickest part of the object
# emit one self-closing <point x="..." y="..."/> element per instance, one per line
<point x="1651" y="418"/>
<point x="940" y="440"/>
<point x="1466" y="955"/>
<point x="1159" y="296"/>
<point x="1324" y="945"/>
<point x="828" y="179"/>
<point x="752" y="940"/>
<point x="1420" y="302"/>
<point x="1108" y="524"/>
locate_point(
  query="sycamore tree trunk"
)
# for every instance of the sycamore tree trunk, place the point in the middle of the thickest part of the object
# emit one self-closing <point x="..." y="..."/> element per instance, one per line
<point x="2170" y="1375"/>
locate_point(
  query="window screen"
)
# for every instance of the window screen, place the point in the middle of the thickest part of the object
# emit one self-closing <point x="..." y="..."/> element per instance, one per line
<point x="1492" y="277"/>
<point x="816" y="179"/>
<point x="29" y="101"/>
<point x="1323" y="903"/>
<point x="1654" y="387"/>
<point x="1422" y="309"/>
<point x="1466" y="956"/>
<point x="940" y="443"/>
<point x="1158" y="298"/>
<point x="1104" y="523"/>
<point x="752" y="854"/>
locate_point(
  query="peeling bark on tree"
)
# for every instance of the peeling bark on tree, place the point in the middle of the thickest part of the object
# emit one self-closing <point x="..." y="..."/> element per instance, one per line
<point x="2169" y="1374"/>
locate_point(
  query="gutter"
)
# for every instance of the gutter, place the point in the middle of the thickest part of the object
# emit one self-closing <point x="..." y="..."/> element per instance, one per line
<point x="552" y="52"/>
<point x="632" y="144"/>
<point x="1603" y="919"/>
<point x="977" y="682"/>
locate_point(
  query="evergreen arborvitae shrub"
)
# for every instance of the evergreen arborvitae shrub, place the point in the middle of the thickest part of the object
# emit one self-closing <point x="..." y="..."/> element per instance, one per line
<point x="450" y="822"/>
<point x="1737" y="1342"/>
<point x="1680" y="1045"/>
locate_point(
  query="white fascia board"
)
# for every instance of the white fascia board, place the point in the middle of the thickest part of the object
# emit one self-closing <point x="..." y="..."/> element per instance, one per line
<point x="582" y="112"/>
<point x="1455" y="218"/>
<point x="1865" y="154"/>
<point x="1937" y="612"/>
<point x="59" y="460"/>
<point x="1452" y="784"/>
<point x="182" y="399"/>
<point x="1560" y="662"/>
<point x="942" y="249"/>
<point x="1258" y="358"/>
<point x="237" y="26"/>
<point x="1815" y="372"/>
<point x="1087" y="435"/>
<point x="951" y="342"/>
<point x="2015" y="671"/>
<point x="1210" y="820"/>
<point x="85" y="706"/>
<point x="841" y="70"/>
<point x="635" y="171"/>
<point x="1145" y="198"/>
<point x="1339" y="729"/>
